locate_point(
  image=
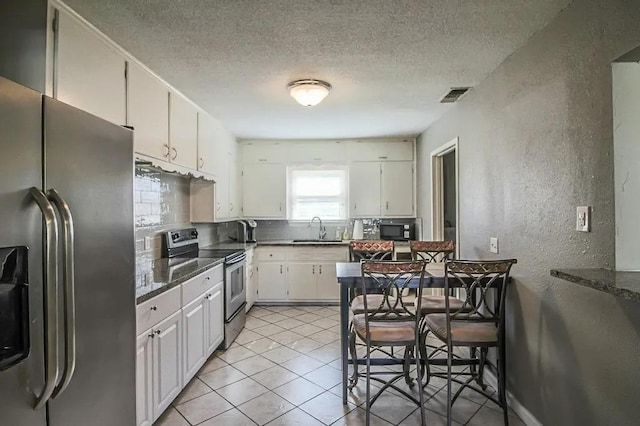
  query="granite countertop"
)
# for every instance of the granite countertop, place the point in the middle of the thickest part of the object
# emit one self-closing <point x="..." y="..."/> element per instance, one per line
<point x="624" y="284"/>
<point x="302" y="243"/>
<point x="155" y="277"/>
<point x="230" y="245"/>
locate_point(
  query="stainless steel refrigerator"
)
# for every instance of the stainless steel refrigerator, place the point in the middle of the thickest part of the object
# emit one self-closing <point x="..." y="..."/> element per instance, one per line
<point x="67" y="268"/>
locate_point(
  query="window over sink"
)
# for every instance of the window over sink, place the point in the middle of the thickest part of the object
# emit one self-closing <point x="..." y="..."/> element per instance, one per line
<point x="316" y="191"/>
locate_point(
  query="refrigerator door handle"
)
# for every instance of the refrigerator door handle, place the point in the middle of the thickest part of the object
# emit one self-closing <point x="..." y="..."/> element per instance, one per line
<point x="68" y="268"/>
<point x="51" y="296"/>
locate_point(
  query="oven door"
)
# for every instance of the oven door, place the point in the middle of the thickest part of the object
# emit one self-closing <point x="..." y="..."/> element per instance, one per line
<point x="235" y="290"/>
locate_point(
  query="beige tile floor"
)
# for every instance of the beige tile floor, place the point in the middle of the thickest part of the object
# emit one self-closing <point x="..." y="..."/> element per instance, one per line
<point x="284" y="369"/>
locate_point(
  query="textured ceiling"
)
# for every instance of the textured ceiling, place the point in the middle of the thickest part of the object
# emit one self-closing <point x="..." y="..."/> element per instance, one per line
<point x="389" y="62"/>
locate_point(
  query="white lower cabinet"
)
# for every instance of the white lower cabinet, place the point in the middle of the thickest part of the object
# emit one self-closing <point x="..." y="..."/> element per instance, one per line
<point x="214" y="303"/>
<point x="178" y="331"/>
<point x="302" y="279"/>
<point x="272" y="281"/>
<point x="195" y="338"/>
<point x="327" y="282"/>
<point x="299" y="273"/>
<point x="144" y="380"/>
<point x="167" y="362"/>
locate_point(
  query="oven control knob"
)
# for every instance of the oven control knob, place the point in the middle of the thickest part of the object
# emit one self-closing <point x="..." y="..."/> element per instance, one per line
<point x="175" y="236"/>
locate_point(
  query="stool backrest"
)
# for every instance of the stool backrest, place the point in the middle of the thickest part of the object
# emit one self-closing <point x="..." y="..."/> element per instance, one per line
<point x="478" y="279"/>
<point x="370" y="250"/>
<point x="389" y="279"/>
<point x="432" y="251"/>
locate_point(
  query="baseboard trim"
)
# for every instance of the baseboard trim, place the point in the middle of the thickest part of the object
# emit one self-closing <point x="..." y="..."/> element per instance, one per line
<point x="524" y="414"/>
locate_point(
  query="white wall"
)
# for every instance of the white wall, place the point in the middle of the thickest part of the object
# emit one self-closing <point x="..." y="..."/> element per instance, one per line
<point x="626" y="151"/>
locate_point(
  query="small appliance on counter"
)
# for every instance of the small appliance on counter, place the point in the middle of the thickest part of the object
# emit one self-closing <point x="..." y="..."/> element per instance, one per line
<point x="246" y="231"/>
<point x="358" y="230"/>
<point x="397" y="231"/>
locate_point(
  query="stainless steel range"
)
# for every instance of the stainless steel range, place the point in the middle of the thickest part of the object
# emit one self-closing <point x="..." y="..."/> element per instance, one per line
<point x="183" y="243"/>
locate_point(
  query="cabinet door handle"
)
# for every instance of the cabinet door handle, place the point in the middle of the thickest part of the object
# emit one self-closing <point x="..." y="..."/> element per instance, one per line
<point x="154" y="308"/>
<point x="280" y="268"/>
<point x="280" y="206"/>
<point x="320" y="268"/>
<point x="387" y="205"/>
<point x="166" y="154"/>
<point x="152" y="335"/>
<point x="158" y="331"/>
<point x="313" y="269"/>
<point x="217" y="206"/>
<point x="230" y="206"/>
<point x="355" y="206"/>
<point x="201" y="162"/>
<point x="175" y="153"/>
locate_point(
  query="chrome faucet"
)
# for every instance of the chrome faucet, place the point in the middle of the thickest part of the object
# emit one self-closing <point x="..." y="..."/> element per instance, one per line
<point x="322" y="231"/>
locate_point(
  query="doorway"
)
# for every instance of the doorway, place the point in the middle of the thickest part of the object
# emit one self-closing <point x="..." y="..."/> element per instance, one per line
<point x="444" y="192"/>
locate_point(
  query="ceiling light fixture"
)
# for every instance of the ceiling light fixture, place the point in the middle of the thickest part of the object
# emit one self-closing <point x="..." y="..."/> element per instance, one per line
<point x="309" y="92"/>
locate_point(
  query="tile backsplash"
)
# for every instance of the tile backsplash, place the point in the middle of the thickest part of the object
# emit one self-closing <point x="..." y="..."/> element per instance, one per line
<point x="162" y="204"/>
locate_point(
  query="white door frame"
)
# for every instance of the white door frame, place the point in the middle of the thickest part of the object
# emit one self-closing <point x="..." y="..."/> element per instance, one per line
<point x="437" y="192"/>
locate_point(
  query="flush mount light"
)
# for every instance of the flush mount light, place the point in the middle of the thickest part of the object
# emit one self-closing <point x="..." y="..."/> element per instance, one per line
<point x="309" y="92"/>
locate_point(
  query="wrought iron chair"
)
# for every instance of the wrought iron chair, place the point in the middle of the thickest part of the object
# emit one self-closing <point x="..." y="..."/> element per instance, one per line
<point x="390" y="323"/>
<point x="479" y="323"/>
<point x="433" y="252"/>
<point x="368" y="250"/>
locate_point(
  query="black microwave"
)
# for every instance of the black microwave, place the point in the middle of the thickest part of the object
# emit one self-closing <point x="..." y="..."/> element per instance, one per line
<point x="397" y="232"/>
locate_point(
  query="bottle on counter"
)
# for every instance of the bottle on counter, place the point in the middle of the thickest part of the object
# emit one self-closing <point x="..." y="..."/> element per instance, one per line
<point x="338" y="233"/>
<point x="345" y="234"/>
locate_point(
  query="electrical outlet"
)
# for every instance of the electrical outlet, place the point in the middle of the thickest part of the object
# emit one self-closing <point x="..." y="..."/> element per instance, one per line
<point x="493" y="245"/>
<point x="147" y="243"/>
<point x="583" y="218"/>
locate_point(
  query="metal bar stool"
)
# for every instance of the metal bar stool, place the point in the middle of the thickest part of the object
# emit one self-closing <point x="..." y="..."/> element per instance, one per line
<point x="479" y="323"/>
<point x="394" y="323"/>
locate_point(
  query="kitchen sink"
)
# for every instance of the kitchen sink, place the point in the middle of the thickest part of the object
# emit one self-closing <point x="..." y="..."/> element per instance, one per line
<point x="316" y="240"/>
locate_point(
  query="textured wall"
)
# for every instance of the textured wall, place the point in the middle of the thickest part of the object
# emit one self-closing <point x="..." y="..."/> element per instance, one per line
<point x="536" y="140"/>
<point x="626" y="147"/>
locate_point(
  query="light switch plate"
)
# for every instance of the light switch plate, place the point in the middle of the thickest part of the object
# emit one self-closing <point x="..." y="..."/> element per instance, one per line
<point x="493" y="245"/>
<point x="583" y="218"/>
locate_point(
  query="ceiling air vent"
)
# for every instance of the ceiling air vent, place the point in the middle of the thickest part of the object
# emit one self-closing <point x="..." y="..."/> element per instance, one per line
<point x="454" y="94"/>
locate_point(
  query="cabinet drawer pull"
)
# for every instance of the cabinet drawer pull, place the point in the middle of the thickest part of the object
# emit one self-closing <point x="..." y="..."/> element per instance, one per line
<point x="201" y="162"/>
<point x="158" y="332"/>
<point x="217" y="206"/>
<point x="152" y="335"/>
<point x="154" y="308"/>
<point x="175" y="153"/>
<point x="166" y="154"/>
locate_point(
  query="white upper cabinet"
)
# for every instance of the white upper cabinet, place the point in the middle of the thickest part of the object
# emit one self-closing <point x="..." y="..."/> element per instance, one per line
<point x="235" y="202"/>
<point x="397" y="185"/>
<point x="210" y="144"/>
<point x="183" y="131"/>
<point x="364" y="190"/>
<point x="148" y="112"/>
<point x="317" y="152"/>
<point x="264" y="191"/>
<point x="263" y="152"/>
<point x="89" y="73"/>
<point x="401" y="150"/>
